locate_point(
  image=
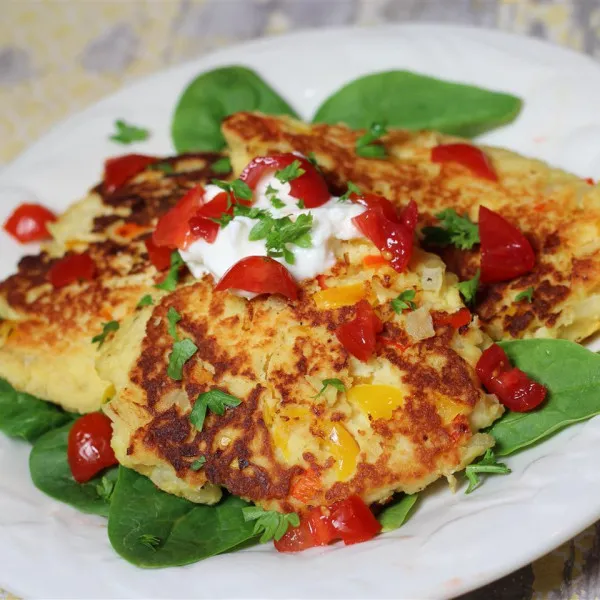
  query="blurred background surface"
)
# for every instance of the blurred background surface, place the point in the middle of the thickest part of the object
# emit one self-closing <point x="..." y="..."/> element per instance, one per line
<point x="59" y="56"/>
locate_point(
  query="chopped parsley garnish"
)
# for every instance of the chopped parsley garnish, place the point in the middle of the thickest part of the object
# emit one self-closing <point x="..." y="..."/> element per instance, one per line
<point x="169" y="283"/>
<point x="456" y="230"/>
<point x="105" y="488"/>
<point x="352" y="189"/>
<point x="173" y="317"/>
<point x="106" y="329"/>
<point x="127" y="133"/>
<point x="145" y="301"/>
<point x="236" y="189"/>
<point x="277" y="233"/>
<point x="182" y="351"/>
<point x="223" y="220"/>
<point x="488" y="464"/>
<point x="300" y="204"/>
<point x="526" y="294"/>
<point x="270" y="190"/>
<point x="252" y="213"/>
<point x="276" y="202"/>
<point x="468" y="289"/>
<point x="272" y="525"/>
<point x="221" y="166"/>
<point x="289" y="173"/>
<point x="165" y="167"/>
<point x="198" y="463"/>
<point x="216" y="401"/>
<point x="365" y="145"/>
<point x="149" y="540"/>
<point x="404" y="301"/>
<point x="336" y="383"/>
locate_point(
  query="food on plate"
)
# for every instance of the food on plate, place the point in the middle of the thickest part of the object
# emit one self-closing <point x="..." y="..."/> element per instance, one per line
<point x="286" y="353"/>
<point x="94" y="272"/>
<point x="557" y="213"/>
<point x="332" y="371"/>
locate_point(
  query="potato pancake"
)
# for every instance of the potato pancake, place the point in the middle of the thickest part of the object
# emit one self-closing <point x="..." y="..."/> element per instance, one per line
<point x="558" y="212"/>
<point x="409" y="415"/>
<point x="45" y="339"/>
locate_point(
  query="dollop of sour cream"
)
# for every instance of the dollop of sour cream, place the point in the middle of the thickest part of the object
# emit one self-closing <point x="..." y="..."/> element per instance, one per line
<point x="331" y="221"/>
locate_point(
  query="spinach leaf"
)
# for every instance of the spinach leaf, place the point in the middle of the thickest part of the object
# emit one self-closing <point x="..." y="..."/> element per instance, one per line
<point x="50" y="473"/>
<point x="413" y="101"/>
<point x="572" y="375"/>
<point x="151" y="528"/>
<point x="396" y="514"/>
<point x="213" y="96"/>
<point x="25" y="416"/>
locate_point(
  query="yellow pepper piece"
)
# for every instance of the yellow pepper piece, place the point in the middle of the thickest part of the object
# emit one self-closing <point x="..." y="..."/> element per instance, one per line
<point x="449" y="410"/>
<point x="379" y="401"/>
<point x="283" y="427"/>
<point x="339" y="296"/>
<point x="344" y="449"/>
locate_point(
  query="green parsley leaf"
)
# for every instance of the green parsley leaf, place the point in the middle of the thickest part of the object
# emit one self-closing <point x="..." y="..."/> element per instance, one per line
<point x="312" y="159"/>
<point x="236" y="190"/>
<point x="223" y="220"/>
<point x="404" y="301"/>
<point x="239" y="210"/>
<point x="276" y="202"/>
<point x="336" y="383"/>
<point x="456" y="230"/>
<point x="173" y="317"/>
<point x="216" y="401"/>
<point x="165" y="167"/>
<point x="526" y="295"/>
<point x="270" y="190"/>
<point x="127" y="133"/>
<point x="145" y="301"/>
<point x="150" y="541"/>
<point x="106" y="329"/>
<point x="488" y="464"/>
<point x="182" y="351"/>
<point x="365" y="145"/>
<point x="105" y="488"/>
<point x="300" y="204"/>
<point x="289" y="173"/>
<point x="261" y="230"/>
<point x="468" y="289"/>
<point x="198" y="463"/>
<point x="169" y="283"/>
<point x="288" y="256"/>
<point x="352" y="189"/>
<point x="241" y="189"/>
<point x="221" y="166"/>
<point x="272" y="525"/>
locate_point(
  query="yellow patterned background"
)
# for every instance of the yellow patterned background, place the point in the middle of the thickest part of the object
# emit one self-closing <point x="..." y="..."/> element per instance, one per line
<point x="57" y="57"/>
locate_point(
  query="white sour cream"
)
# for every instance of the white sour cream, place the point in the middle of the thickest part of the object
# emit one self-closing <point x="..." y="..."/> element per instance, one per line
<point x="332" y="220"/>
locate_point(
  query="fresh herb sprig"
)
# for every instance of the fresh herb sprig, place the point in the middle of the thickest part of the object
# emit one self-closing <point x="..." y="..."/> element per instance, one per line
<point x="404" y="302"/>
<point x="107" y="328"/>
<point x="488" y="464"/>
<point x="216" y="401"/>
<point x="526" y="294"/>
<point x="272" y="525"/>
<point x="128" y="134"/>
<point x="335" y="383"/>
<point x="367" y="146"/>
<point x="468" y="288"/>
<point x="169" y="283"/>
<point x="453" y="230"/>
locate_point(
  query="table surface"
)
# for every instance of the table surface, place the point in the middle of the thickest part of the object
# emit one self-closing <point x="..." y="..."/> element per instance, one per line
<point x="57" y="57"/>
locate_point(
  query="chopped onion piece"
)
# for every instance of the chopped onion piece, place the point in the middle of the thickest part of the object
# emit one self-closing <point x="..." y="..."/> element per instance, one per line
<point x="419" y="324"/>
<point x="432" y="279"/>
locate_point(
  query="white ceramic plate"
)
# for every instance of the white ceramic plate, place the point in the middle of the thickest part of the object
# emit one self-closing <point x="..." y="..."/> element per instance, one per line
<point x="453" y="543"/>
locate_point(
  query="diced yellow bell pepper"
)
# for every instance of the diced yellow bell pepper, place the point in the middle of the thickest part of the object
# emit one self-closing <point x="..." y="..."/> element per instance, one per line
<point x="448" y="409"/>
<point x="344" y="448"/>
<point x="379" y="401"/>
<point x="282" y="427"/>
<point x="337" y="297"/>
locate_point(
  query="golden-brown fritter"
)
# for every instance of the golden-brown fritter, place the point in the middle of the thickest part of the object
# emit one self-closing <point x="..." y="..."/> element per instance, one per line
<point x="558" y="212"/>
<point x="407" y="416"/>
<point x="45" y="340"/>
